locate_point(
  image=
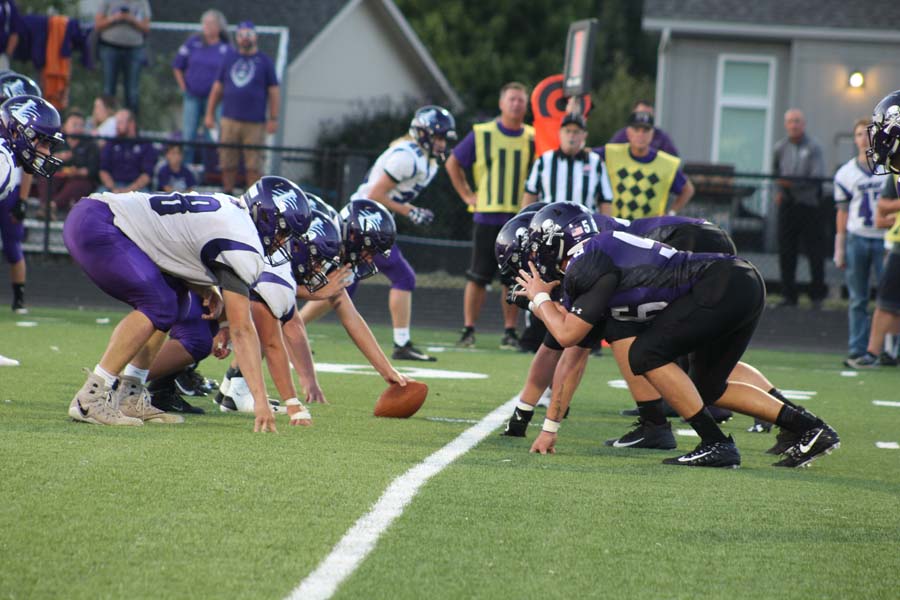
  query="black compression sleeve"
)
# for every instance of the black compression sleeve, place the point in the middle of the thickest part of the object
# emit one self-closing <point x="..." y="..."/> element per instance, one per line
<point x="228" y="280"/>
<point x="591" y="305"/>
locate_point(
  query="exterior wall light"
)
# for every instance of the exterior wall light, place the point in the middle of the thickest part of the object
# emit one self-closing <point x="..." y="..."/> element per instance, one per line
<point x="856" y="80"/>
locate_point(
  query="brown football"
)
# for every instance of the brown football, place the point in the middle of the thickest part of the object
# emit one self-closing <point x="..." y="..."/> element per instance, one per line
<point x="401" y="402"/>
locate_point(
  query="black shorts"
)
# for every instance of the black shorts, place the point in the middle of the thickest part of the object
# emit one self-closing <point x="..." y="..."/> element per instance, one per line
<point x="589" y="341"/>
<point x="484" y="261"/>
<point x="702" y="237"/>
<point x="715" y="322"/>
<point x="889" y="287"/>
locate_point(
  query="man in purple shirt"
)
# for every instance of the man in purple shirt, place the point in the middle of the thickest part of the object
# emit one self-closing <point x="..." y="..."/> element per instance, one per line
<point x="246" y="84"/>
<point x="126" y="165"/>
<point x="660" y="139"/>
<point x="195" y="68"/>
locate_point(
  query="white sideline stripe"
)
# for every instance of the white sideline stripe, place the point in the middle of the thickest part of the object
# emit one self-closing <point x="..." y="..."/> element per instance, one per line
<point x="360" y="539"/>
<point x="888" y="445"/>
<point x="885" y="403"/>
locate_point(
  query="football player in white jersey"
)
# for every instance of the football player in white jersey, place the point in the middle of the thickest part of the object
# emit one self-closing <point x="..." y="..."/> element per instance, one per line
<point x="395" y="180"/>
<point x="29" y="133"/>
<point x="148" y="249"/>
<point x="859" y="243"/>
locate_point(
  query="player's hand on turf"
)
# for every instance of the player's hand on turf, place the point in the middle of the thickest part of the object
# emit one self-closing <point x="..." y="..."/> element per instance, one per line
<point x="265" y="418"/>
<point x="394" y="376"/>
<point x="532" y="284"/>
<point x="220" y="347"/>
<point x="420" y="216"/>
<point x="545" y="443"/>
<point x="315" y="395"/>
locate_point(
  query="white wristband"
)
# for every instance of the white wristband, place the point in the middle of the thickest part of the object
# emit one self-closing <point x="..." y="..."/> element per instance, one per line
<point x="540" y="299"/>
<point x="550" y="426"/>
<point x="223" y="324"/>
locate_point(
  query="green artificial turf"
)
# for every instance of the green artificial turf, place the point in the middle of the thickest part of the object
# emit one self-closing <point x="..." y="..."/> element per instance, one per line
<point x="208" y="509"/>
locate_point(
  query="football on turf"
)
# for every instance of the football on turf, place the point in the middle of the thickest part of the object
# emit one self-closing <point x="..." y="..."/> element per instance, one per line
<point x="401" y="402"/>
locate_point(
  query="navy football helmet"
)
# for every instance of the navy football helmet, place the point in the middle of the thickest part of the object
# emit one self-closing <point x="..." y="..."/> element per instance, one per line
<point x="27" y="123"/>
<point x="367" y="228"/>
<point x="511" y="247"/>
<point x="430" y="122"/>
<point x="883" y="154"/>
<point x="314" y="256"/>
<point x="280" y="211"/>
<point x="316" y="203"/>
<point x="533" y="207"/>
<point x="554" y="231"/>
<point x="14" y="84"/>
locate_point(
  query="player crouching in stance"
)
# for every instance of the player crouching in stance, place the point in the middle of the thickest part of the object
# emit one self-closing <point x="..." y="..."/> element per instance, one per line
<point x="396" y="179"/>
<point x="148" y="249"/>
<point x="706" y="305"/>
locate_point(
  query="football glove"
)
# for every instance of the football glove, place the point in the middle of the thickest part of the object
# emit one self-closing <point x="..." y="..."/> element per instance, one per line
<point x="520" y="301"/>
<point x="420" y="216"/>
<point x="18" y="210"/>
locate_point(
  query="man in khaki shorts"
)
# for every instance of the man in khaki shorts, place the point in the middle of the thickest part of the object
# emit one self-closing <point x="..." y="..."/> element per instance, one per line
<point x="248" y="88"/>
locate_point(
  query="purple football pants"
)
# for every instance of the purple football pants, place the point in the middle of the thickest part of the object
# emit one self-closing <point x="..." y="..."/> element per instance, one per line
<point x="397" y="270"/>
<point x="194" y="332"/>
<point x="12" y="233"/>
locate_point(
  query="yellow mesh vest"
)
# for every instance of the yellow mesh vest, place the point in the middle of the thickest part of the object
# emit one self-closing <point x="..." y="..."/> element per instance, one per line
<point x="893" y="234"/>
<point x="501" y="167"/>
<point x="639" y="189"/>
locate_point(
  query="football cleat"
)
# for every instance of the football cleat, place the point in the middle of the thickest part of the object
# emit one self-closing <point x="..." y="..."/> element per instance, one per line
<point x="812" y="444"/>
<point x="784" y="440"/>
<point x="191" y="383"/>
<point x="510" y="341"/>
<point x="168" y="399"/>
<point x="723" y="455"/>
<point x="467" y="338"/>
<point x="409" y="352"/>
<point x="646" y="435"/>
<point x="133" y="400"/>
<point x="518" y="423"/>
<point x="94" y="404"/>
<point x="760" y="426"/>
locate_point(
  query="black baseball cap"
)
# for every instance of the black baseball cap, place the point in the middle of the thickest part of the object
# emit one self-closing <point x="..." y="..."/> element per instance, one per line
<point x="574" y="119"/>
<point x="641" y="119"/>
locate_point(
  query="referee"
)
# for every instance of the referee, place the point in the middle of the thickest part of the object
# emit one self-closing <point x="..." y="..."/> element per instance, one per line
<point x="570" y="173"/>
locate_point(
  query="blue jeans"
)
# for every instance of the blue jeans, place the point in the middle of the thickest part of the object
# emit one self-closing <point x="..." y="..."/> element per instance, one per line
<point x="193" y="108"/>
<point x="126" y="62"/>
<point x="864" y="255"/>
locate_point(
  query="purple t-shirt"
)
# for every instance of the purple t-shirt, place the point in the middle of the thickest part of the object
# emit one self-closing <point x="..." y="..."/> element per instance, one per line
<point x="464" y="152"/>
<point x="181" y="181"/>
<point x="9" y="21"/>
<point x="660" y="141"/>
<point x="246" y="80"/>
<point x="125" y="161"/>
<point x="677" y="183"/>
<point x="200" y="63"/>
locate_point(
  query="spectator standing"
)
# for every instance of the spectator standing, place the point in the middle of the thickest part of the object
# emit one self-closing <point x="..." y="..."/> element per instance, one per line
<point x="123" y="26"/>
<point x="79" y="174"/>
<point x="499" y="153"/>
<point x="799" y="217"/>
<point x="173" y="175"/>
<point x="859" y="243"/>
<point x="248" y="89"/>
<point x="660" y="140"/>
<point x="641" y="177"/>
<point x="103" y="116"/>
<point x="9" y="27"/>
<point x="195" y="68"/>
<point x="126" y="165"/>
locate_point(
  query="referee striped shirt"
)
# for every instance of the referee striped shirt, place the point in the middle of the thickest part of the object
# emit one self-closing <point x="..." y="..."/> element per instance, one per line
<point x="558" y="177"/>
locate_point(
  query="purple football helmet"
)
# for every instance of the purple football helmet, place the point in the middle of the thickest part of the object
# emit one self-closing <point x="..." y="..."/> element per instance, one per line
<point x="314" y="256"/>
<point x="280" y="210"/>
<point x="883" y="154"/>
<point x="533" y="207"/>
<point x="554" y="231"/>
<point x="511" y="246"/>
<point x="316" y="203"/>
<point x="430" y="122"/>
<point x="14" y="84"/>
<point x="31" y="125"/>
<point x="368" y="229"/>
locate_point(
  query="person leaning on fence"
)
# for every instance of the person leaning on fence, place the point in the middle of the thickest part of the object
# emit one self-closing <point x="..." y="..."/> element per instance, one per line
<point x="859" y="243"/>
<point x="246" y="85"/>
<point x="799" y="216"/>
<point x="660" y="139"/>
<point x="195" y="68"/>
<point x="78" y="176"/>
<point x="641" y="177"/>
<point x="123" y="26"/>
<point x="126" y="165"/>
<point x="500" y="153"/>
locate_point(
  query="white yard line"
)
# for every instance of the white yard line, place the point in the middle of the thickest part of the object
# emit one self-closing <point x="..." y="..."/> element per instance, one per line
<point x="360" y="539"/>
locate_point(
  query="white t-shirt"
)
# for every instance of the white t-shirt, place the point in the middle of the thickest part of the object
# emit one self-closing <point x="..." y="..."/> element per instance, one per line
<point x="10" y="172"/>
<point x="856" y="185"/>
<point x="407" y="165"/>
<point x="186" y="234"/>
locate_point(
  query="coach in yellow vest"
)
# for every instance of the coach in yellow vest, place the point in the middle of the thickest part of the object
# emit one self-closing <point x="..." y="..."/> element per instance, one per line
<point x="499" y="154"/>
<point x="642" y="177"/>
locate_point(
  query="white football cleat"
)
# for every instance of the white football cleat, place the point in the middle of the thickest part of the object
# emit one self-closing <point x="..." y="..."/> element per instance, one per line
<point x="8" y="362"/>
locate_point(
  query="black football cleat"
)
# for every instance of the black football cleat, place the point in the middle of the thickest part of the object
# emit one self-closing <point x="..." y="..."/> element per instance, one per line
<point x="784" y="440"/>
<point x="191" y="383"/>
<point x="722" y="455"/>
<point x="518" y="423"/>
<point x="409" y="352"/>
<point x="169" y="400"/>
<point x="760" y="426"/>
<point x="813" y="443"/>
<point x="630" y="412"/>
<point x="646" y="435"/>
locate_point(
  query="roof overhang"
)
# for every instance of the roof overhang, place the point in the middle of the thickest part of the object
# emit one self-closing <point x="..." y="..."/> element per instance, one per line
<point x="769" y="32"/>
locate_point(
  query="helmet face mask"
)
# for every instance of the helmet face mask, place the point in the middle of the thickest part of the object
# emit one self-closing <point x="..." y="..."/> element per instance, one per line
<point x="432" y="123"/>
<point x="883" y="155"/>
<point x="368" y="229"/>
<point x="554" y="231"/>
<point x="511" y="247"/>
<point x="281" y="212"/>
<point x="31" y="126"/>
